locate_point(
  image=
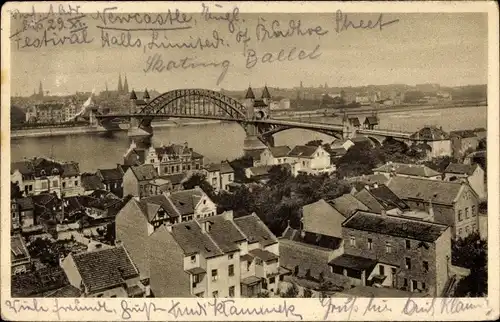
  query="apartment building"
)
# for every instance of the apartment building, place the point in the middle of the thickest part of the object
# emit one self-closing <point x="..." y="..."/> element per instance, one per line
<point x="310" y="160"/>
<point x="138" y="219"/>
<point x="396" y="252"/>
<point x="274" y="155"/>
<point x="454" y="203"/>
<point x="38" y="175"/>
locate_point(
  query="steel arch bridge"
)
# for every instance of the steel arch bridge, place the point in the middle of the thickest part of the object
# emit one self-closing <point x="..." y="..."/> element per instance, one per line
<point x="208" y="104"/>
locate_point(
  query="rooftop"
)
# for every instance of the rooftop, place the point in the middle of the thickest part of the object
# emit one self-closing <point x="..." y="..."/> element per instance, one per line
<point x="264" y="255"/>
<point x="105" y="268"/>
<point x="255" y="230"/>
<point x="175" y="178"/>
<point x="303" y="151"/>
<point x="437" y="191"/>
<point x="464" y="134"/>
<point x="395" y="226"/>
<point x="222" y="167"/>
<point x="40" y="167"/>
<point x="416" y="170"/>
<point x="110" y="174"/>
<point x="18" y="250"/>
<point x="192" y="240"/>
<point x="310" y="238"/>
<point x="144" y="172"/>
<point x="459" y="168"/>
<point x="353" y="262"/>
<point x="347" y="204"/>
<point x="279" y="151"/>
<point x="380" y="198"/>
<point x="224" y="232"/>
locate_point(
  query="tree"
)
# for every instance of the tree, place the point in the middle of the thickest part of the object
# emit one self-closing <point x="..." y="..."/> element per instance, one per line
<point x="481" y="144"/>
<point x="291" y="292"/>
<point x="263" y="295"/>
<point x="45" y="250"/>
<point x="15" y="191"/>
<point x="472" y="253"/>
<point x="315" y="143"/>
<point x="360" y="159"/>
<point x="307" y="293"/>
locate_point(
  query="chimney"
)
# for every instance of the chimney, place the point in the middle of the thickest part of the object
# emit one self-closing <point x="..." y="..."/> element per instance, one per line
<point x="375" y="186"/>
<point x="384" y="212"/>
<point x="228" y="215"/>
<point x="206" y="226"/>
<point x="118" y="242"/>
<point x="431" y="210"/>
<point x="302" y="234"/>
<point x="367" y="187"/>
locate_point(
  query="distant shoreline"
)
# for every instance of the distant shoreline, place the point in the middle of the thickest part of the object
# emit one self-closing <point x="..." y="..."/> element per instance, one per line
<point x="60" y="131"/>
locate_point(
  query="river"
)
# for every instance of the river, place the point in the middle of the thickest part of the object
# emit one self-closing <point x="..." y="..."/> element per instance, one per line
<point x="223" y="141"/>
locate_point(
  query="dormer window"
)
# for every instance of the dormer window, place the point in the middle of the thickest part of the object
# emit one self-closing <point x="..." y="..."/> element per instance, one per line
<point x="193" y="259"/>
<point x="42" y="172"/>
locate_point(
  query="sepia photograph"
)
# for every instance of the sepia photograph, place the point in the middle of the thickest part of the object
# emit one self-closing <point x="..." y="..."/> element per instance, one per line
<point x="210" y="150"/>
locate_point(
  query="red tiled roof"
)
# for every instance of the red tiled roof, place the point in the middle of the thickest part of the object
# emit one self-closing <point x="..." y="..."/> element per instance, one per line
<point x="224" y="232"/>
<point x="144" y="172"/>
<point x="192" y="240"/>
<point x="304" y="151"/>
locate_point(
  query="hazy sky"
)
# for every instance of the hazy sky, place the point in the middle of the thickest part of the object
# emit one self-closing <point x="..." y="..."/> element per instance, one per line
<point x="450" y="49"/>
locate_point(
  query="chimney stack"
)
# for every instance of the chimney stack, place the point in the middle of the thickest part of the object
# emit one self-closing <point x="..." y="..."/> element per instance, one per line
<point x="384" y="212"/>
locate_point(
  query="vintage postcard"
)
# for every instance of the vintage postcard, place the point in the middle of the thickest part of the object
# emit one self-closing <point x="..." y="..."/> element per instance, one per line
<point x="263" y="161"/>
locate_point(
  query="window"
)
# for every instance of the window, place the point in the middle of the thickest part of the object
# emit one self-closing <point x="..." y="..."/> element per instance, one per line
<point x="231" y="256"/>
<point x="214" y="275"/>
<point x="414" y="285"/>
<point x="466" y="212"/>
<point x="231" y="291"/>
<point x="405" y="282"/>
<point x="177" y="168"/>
<point x="196" y="278"/>
<point x="231" y="270"/>
<point x="249" y="263"/>
<point x="460" y="215"/>
<point x="189" y="167"/>
<point x="426" y="266"/>
<point x="423" y="286"/>
<point x="467" y="230"/>
<point x="258" y="261"/>
<point x="76" y="183"/>
<point x="388" y="248"/>
<point x="272" y="280"/>
<point x="353" y="241"/>
<point x="408" y="263"/>
<point x="473" y="211"/>
<point x="152" y="161"/>
<point x="55" y="183"/>
<point x="381" y="269"/>
<point x="197" y="166"/>
<point x="408" y="244"/>
<point x="99" y="295"/>
<point x="193" y="259"/>
<point x="230" y="178"/>
<point x="460" y="232"/>
<point x="215" y="294"/>
<point x="474" y="227"/>
<point x="113" y="296"/>
<point x="370" y="244"/>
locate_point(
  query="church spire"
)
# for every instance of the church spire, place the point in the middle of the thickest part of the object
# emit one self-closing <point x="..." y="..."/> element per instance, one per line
<point x="125" y="85"/>
<point x="40" y="89"/>
<point x="120" y="88"/>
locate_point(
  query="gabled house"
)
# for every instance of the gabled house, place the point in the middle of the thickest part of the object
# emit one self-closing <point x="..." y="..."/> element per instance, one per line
<point x="437" y="142"/>
<point x="219" y="175"/>
<point x="473" y="173"/>
<point x="370" y="122"/>
<point x="137" y="178"/>
<point x="112" y="179"/>
<point x="310" y="160"/>
<point x="91" y="182"/>
<point x="274" y="155"/>
<point x="454" y="203"/>
<point x="108" y="272"/>
<point x="462" y="141"/>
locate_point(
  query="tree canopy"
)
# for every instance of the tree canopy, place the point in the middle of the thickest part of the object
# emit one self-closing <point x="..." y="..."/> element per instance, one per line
<point x="471" y="253"/>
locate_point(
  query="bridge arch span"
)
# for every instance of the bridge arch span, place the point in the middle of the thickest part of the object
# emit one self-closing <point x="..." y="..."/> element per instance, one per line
<point x="194" y="103"/>
<point x="274" y="130"/>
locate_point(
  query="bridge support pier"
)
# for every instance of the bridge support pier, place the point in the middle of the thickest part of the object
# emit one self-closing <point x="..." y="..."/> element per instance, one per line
<point x="252" y="144"/>
<point x="140" y="132"/>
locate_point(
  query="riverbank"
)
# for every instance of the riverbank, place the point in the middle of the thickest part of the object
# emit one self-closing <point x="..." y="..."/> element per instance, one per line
<point x="60" y="131"/>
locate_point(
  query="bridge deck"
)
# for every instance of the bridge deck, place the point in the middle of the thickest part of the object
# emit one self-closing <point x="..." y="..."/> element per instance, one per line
<point x="384" y="132"/>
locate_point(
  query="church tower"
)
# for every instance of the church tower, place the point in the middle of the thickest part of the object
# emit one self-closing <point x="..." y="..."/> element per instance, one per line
<point x="120" y="87"/>
<point x="40" y="89"/>
<point x="266" y="97"/>
<point x="249" y="102"/>
<point x="125" y="85"/>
